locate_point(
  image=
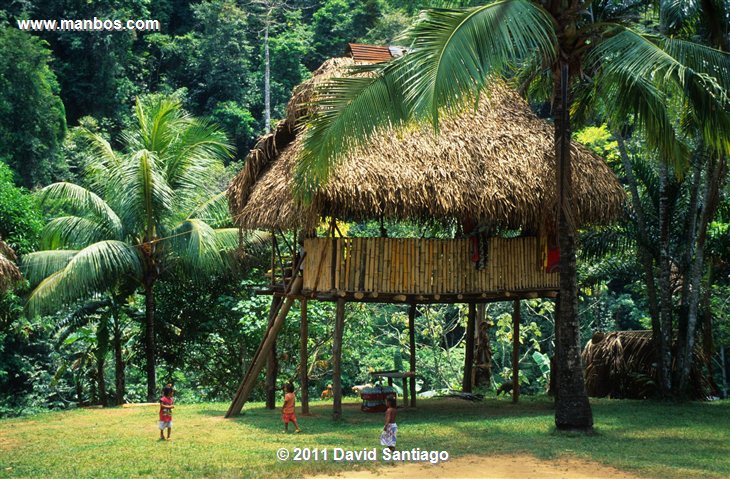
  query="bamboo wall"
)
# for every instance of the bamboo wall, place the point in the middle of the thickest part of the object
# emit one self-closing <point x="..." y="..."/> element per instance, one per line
<point x="423" y="266"/>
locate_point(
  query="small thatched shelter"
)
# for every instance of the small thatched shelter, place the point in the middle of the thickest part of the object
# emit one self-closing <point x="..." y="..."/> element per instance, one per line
<point x="9" y="272"/>
<point x="490" y="168"/>
<point x="622" y="364"/>
<point x="495" y="166"/>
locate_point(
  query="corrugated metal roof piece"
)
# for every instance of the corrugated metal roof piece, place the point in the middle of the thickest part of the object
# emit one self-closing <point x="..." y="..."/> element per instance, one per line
<point x="362" y="53"/>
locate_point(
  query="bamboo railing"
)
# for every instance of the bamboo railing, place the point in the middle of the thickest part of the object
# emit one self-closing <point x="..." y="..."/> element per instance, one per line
<point x="424" y="266"/>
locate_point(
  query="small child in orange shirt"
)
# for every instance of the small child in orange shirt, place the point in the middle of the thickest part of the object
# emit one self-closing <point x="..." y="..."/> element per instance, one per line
<point x="287" y="411"/>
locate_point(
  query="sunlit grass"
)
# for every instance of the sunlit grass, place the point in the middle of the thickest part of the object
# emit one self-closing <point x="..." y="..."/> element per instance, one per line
<point x="650" y="439"/>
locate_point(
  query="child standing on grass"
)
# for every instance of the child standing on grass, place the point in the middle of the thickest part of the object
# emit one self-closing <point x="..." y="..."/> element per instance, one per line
<point x="166" y="407"/>
<point x="387" y="437"/>
<point x="287" y="411"/>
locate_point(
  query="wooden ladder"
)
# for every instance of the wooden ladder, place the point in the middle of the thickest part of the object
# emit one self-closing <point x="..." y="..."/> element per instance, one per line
<point x="279" y="311"/>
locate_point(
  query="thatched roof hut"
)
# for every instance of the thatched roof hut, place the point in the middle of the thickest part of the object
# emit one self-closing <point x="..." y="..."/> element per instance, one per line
<point x="622" y="364"/>
<point x="494" y="165"/>
<point x="9" y="272"/>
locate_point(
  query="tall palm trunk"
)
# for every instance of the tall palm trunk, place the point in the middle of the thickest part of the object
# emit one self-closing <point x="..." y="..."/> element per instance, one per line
<point x="686" y="341"/>
<point x="102" y="347"/>
<point x="646" y="254"/>
<point x="149" y="303"/>
<point x="572" y="409"/>
<point x="665" y="293"/>
<point x="119" y="383"/>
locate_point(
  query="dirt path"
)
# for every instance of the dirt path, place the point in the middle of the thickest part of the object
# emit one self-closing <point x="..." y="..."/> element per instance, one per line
<point x="493" y="467"/>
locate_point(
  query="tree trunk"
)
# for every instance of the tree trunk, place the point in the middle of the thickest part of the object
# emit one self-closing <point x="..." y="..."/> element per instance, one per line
<point x="267" y="80"/>
<point x="149" y="303"/>
<point x="723" y="371"/>
<point x="483" y="372"/>
<point x="516" y="320"/>
<point x="646" y="254"/>
<point x="102" y="347"/>
<point x="665" y="292"/>
<point x="304" y="357"/>
<point x="572" y="409"/>
<point x="412" y="351"/>
<point x="686" y="346"/>
<point x="466" y="384"/>
<point x="119" y="383"/>
<point x="272" y="370"/>
<point x="337" y="360"/>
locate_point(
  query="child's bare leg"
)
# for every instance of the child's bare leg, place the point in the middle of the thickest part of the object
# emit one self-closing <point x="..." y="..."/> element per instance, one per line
<point x="296" y="425"/>
<point x="169" y="430"/>
<point x="162" y="434"/>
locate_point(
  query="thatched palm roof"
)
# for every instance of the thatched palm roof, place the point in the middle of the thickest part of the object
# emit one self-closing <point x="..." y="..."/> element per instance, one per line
<point x="494" y="165"/>
<point x="9" y="272"/>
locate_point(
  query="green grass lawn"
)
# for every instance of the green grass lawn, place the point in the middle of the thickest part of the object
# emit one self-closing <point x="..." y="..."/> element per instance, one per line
<point x="662" y="440"/>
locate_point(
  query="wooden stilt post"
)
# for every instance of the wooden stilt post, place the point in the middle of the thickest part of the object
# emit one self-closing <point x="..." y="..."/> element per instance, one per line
<point x="412" y="350"/>
<point x="244" y="390"/>
<point x="516" y="351"/>
<point x="337" y="360"/>
<point x="304" y="357"/>
<point x="272" y="370"/>
<point x="469" y="356"/>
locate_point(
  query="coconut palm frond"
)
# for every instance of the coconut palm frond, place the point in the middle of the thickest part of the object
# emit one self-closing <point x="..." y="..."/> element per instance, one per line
<point x="214" y="211"/>
<point x="42" y="264"/>
<point x="79" y="317"/>
<point x="197" y="247"/>
<point x="349" y="110"/>
<point x="702" y="59"/>
<point x="82" y="202"/>
<point x="95" y="268"/>
<point x="142" y="195"/>
<point x="676" y="14"/>
<point x="456" y="52"/>
<point x="643" y="70"/>
<point x="601" y="242"/>
<point x="189" y="160"/>
<point x="74" y="232"/>
<point x="158" y="125"/>
<point x="251" y="240"/>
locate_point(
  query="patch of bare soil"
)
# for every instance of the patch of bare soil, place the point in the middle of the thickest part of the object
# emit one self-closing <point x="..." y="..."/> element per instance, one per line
<point x="492" y="467"/>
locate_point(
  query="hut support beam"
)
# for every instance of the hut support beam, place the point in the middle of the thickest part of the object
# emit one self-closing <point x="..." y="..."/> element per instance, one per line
<point x="304" y="357"/>
<point x="337" y="360"/>
<point x="412" y="351"/>
<point x="516" y="351"/>
<point x="259" y="359"/>
<point x="469" y="356"/>
<point x="272" y="369"/>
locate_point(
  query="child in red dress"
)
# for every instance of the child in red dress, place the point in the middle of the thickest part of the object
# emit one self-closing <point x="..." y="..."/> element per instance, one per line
<point x="166" y="407"/>
<point x="287" y="411"/>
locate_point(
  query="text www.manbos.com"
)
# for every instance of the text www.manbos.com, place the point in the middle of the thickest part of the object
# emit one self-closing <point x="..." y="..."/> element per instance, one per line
<point x="88" y="25"/>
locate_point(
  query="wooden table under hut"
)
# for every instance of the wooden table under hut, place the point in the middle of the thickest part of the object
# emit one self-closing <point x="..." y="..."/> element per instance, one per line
<point x="490" y="170"/>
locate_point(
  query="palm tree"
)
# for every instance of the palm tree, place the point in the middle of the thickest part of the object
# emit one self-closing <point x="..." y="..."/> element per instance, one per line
<point x="147" y="211"/>
<point x="456" y="53"/>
